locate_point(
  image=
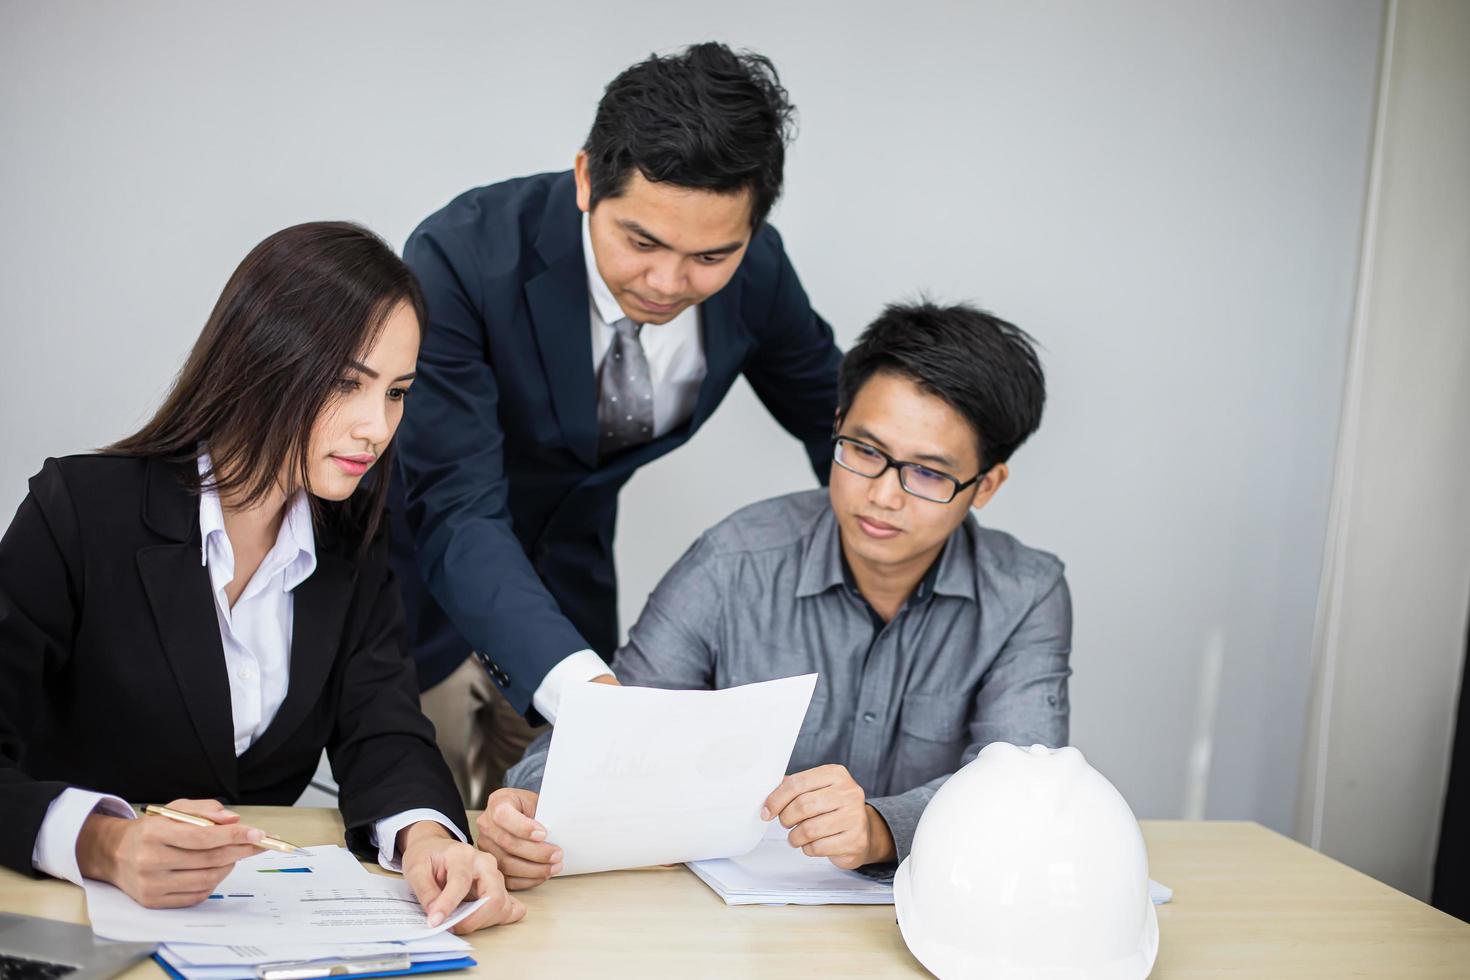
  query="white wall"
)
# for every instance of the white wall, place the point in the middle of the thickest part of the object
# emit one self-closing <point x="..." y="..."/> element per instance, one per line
<point x="1168" y="195"/>
<point x="1391" y="644"/>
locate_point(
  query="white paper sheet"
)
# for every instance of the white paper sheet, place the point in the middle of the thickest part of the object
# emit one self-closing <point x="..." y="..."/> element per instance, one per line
<point x="322" y="896"/>
<point x="638" y="776"/>
<point x="775" y="873"/>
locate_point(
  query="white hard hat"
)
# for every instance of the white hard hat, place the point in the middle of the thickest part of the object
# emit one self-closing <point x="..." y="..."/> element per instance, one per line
<point x="1028" y="863"/>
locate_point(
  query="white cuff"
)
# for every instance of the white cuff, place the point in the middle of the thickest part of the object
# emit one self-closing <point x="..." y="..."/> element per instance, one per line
<point x="55" y="852"/>
<point x="579" y="668"/>
<point x="385" y="834"/>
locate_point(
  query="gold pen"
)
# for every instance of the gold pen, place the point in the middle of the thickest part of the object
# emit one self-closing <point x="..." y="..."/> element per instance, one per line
<point x="273" y="843"/>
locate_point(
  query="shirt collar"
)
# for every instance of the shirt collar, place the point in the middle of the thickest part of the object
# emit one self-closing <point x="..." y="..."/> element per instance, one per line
<point x="602" y="297"/>
<point x="295" y="547"/>
<point x="823" y="566"/>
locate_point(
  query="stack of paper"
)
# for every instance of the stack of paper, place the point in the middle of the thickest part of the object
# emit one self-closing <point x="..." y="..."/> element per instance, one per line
<point x="322" y="895"/>
<point x="315" y="905"/>
<point x="775" y="873"/>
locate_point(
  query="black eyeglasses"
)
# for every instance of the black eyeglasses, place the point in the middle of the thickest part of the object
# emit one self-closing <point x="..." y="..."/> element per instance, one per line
<point x="915" y="478"/>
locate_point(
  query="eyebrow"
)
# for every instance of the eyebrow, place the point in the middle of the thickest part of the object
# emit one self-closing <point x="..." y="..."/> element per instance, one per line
<point x="935" y="458"/>
<point x="359" y="366"/>
<point x="637" y="229"/>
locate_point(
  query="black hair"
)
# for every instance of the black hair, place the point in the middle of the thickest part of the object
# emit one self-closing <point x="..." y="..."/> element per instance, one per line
<point x="300" y="307"/>
<point x="706" y="118"/>
<point x="983" y="367"/>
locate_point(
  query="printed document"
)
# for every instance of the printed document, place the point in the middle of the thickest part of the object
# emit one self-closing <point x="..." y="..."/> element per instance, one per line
<point x="775" y="873"/>
<point x="321" y="896"/>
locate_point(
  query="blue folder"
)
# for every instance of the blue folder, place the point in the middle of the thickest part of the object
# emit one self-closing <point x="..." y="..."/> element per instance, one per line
<point x="428" y="966"/>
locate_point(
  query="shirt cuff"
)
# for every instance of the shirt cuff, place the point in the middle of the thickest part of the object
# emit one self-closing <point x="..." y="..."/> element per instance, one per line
<point x="385" y="834"/>
<point x="55" y="852"/>
<point x="579" y="668"/>
<point x="901" y="813"/>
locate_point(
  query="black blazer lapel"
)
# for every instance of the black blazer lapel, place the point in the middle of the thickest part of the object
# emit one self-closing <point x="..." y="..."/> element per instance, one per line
<point x="177" y="585"/>
<point x="318" y="624"/>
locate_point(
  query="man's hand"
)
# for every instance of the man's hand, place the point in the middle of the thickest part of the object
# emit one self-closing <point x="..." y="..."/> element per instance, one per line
<point x="606" y="679"/>
<point x="509" y="831"/>
<point x="828" y="816"/>
<point x="163" y="864"/>
<point x="444" y="872"/>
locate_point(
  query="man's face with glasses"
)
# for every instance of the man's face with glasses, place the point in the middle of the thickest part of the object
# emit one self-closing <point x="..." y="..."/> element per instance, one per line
<point x="905" y="472"/>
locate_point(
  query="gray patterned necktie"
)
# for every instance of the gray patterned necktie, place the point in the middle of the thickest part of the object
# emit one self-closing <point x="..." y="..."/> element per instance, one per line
<point x="625" y="392"/>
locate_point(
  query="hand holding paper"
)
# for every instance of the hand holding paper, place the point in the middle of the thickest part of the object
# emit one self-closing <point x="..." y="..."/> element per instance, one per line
<point x="828" y="816"/>
<point x="509" y="831"/>
<point x="443" y="872"/>
<point x="640" y="776"/>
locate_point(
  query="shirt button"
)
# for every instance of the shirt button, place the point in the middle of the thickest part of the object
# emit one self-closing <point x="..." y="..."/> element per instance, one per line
<point x="868" y="716"/>
<point x="243" y="673"/>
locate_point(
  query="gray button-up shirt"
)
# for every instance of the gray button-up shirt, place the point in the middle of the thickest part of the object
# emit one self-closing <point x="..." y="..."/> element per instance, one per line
<point x="977" y="655"/>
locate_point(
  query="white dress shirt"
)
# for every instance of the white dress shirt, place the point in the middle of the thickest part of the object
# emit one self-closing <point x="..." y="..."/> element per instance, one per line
<point x="675" y="350"/>
<point x="255" y="635"/>
<point x="677" y="367"/>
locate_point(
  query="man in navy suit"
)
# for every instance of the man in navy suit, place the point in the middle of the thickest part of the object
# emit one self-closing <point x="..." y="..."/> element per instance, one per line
<point x="581" y="325"/>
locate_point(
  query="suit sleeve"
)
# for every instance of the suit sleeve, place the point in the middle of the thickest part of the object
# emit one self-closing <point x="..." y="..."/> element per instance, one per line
<point x="794" y="367"/>
<point x="40" y="603"/>
<point x="674" y="645"/>
<point x="382" y="748"/>
<point x="451" y="455"/>
<point x="1022" y="700"/>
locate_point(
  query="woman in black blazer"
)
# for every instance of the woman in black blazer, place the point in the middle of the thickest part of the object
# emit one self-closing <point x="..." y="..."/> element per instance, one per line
<point x="196" y="612"/>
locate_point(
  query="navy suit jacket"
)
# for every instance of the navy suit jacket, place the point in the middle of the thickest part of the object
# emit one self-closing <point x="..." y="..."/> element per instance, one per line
<point x="502" y="515"/>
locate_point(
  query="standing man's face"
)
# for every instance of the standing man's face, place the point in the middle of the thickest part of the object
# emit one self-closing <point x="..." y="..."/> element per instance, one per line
<point x="662" y="248"/>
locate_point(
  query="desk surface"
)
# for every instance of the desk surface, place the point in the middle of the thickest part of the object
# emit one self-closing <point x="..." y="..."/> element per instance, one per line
<point x="1247" y="903"/>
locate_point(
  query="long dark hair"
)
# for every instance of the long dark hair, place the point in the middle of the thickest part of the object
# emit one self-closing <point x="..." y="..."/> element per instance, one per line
<point x="302" y="305"/>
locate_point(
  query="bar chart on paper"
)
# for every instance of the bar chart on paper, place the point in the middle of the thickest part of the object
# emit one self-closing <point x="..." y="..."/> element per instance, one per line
<point x="320" y="896"/>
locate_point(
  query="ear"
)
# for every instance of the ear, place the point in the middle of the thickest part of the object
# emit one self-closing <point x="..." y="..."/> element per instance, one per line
<point x="989" y="484"/>
<point x="584" y="181"/>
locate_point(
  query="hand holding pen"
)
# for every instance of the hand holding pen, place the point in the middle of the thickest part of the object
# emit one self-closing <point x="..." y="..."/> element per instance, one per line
<point x="165" y="862"/>
<point x="195" y="820"/>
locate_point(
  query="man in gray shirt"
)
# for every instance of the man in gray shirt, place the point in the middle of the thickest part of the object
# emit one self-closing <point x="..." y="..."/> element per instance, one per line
<point x="931" y="636"/>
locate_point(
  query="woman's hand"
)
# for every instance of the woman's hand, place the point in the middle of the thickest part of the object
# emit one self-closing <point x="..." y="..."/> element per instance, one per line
<point x="444" y="872"/>
<point x="163" y="864"/>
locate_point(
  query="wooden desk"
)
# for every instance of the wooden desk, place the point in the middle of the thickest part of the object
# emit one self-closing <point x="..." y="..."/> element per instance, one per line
<point x="1247" y="903"/>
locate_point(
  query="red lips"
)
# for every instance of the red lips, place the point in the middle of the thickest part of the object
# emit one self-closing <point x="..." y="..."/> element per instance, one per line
<point x="355" y="464"/>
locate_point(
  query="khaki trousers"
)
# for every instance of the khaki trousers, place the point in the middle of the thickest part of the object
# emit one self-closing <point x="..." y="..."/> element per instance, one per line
<point x="478" y="731"/>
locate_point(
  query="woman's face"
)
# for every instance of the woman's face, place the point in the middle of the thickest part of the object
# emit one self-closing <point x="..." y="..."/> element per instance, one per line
<point x="359" y="422"/>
